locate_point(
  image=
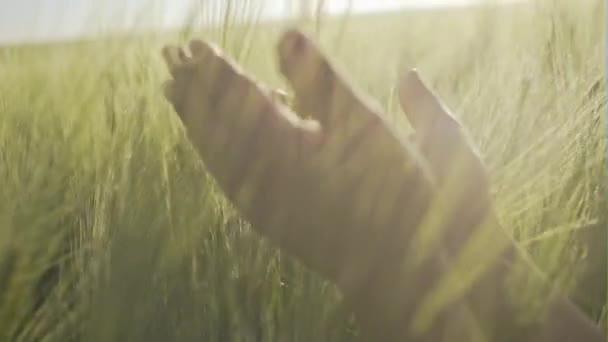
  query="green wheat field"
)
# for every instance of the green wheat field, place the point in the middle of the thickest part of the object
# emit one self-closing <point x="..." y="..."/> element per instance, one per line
<point x="110" y="229"/>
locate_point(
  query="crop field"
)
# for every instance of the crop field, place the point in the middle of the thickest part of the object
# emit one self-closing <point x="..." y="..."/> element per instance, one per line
<point x="111" y="230"/>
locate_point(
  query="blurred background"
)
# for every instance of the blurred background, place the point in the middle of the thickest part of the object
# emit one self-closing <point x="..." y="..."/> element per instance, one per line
<point x="39" y="20"/>
<point x="110" y="229"/>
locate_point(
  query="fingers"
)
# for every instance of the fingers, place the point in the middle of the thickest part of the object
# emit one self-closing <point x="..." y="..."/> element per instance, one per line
<point x="210" y="87"/>
<point x="421" y="106"/>
<point x="179" y="62"/>
<point x="443" y="142"/>
<point x="174" y="57"/>
<point x="437" y="132"/>
<point x="204" y="70"/>
<point x="180" y="68"/>
<point x="198" y="48"/>
<point x="320" y="90"/>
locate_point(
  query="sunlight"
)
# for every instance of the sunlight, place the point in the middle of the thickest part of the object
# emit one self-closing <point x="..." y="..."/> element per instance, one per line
<point x="296" y="173"/>
<point x="338" y="6"/>
<point x="40" y="21"/>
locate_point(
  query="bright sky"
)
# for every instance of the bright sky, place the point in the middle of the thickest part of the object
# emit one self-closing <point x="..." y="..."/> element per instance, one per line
<point x="44" y="20"/>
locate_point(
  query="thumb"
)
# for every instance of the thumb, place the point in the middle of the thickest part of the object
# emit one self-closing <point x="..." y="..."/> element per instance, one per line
<point x="438" y="133"/>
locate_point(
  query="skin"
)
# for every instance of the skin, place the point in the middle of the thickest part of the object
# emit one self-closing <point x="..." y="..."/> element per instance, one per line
<point x="408" y="266"/>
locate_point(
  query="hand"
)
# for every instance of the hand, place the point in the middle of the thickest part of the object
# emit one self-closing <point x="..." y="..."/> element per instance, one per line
<point x="342" y="191"/>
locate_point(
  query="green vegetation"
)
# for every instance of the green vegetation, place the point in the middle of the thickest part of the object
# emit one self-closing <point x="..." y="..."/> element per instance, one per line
<point x="111" y="231"/>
